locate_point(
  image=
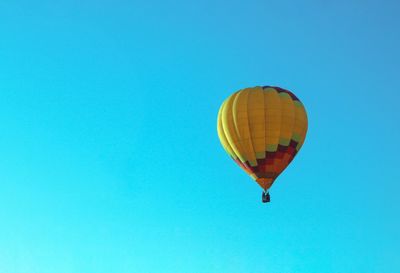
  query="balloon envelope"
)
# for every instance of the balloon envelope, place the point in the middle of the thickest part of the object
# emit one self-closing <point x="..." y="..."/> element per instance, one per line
<point x="262" y="129"/>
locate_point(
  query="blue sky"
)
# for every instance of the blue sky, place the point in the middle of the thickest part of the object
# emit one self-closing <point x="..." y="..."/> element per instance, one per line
<point x="109" y="156"/>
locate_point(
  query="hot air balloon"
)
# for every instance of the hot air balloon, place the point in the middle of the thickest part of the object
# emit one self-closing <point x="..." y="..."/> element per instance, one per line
<point x="262" y="129"/>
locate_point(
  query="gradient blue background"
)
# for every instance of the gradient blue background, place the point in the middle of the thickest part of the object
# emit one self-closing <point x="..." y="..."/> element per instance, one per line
<point x="109" y="156"/>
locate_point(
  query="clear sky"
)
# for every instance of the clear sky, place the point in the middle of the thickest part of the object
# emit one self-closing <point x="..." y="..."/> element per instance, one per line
<point x="110" y="159"/>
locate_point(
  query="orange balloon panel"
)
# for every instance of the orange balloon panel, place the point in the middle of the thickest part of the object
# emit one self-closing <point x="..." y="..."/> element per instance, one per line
<point x="262" y="129"/>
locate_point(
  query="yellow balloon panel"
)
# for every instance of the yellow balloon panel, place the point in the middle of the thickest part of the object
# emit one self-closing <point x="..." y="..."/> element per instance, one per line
<point x="257" y="121"/>
<point x="222" y="136"/>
